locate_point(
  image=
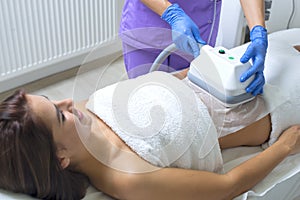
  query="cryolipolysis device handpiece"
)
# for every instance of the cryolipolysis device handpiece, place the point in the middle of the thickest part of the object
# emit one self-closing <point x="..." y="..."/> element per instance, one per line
<point x="218" y="72"/>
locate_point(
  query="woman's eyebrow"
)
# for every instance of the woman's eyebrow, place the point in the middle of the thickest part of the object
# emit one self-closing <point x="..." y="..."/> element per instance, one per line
<point x="45" y="96"/>
<point x="57" y="110"/>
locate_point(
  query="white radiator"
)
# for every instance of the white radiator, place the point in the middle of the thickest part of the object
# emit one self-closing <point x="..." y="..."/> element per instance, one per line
<point x="43" y="37"/>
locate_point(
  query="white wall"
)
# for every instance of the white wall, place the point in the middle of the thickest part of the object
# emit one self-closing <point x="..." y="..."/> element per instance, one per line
<point x="233" y="23"/>
<point x="41" y="38"/>
<point x="281" y="11"/>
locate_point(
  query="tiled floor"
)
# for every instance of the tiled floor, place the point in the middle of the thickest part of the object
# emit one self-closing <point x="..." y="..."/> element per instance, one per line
<point x="78" y="83"/>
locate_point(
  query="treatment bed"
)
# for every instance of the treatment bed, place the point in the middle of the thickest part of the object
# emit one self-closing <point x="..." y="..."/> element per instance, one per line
<point x="284" y="181"/>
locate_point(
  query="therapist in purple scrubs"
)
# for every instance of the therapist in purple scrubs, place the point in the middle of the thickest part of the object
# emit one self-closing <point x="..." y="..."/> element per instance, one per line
<point x="149" y="26"/>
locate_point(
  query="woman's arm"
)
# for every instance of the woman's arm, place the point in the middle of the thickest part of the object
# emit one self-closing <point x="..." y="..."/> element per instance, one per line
<point x="170" y="183"/>
<point x="254" y="11"/>
<point x="158" y="6"/>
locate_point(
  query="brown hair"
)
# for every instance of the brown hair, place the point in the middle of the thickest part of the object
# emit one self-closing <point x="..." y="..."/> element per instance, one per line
<point x="28" y="160"/>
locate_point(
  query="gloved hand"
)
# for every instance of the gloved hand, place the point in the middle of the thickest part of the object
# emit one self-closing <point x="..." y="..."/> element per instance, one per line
<point x="185" y="33"/>
<point x="257" y="51"/>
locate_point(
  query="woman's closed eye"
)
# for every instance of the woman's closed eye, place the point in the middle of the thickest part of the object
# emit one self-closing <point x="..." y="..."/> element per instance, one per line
<point x="63" y="118"/>
<point x="59" y="113"/>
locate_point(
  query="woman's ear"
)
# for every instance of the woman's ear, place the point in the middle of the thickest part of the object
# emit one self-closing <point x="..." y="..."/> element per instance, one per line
<point x="63" y="158"/>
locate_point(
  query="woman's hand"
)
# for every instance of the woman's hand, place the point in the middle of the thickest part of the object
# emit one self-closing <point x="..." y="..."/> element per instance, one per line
<point x="291" y="139"/>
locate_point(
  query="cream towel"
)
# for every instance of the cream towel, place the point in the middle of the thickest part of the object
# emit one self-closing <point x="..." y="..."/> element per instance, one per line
<point x="162" y="120"/>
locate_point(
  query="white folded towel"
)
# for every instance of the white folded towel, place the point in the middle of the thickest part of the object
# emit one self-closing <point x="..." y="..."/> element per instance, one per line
<point x="281" y="72"/>
<point x="162" y="120"/>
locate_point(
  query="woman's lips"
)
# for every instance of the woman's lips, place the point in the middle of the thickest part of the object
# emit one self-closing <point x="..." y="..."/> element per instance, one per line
<point x="79" y="115"/>
<point x="83" y="118"/>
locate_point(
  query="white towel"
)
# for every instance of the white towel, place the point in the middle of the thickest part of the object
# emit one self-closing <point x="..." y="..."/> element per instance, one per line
<point x="162" y="120"/>
<point x="282" y="72"/>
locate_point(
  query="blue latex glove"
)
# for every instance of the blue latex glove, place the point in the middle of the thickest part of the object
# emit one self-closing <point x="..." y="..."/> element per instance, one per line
<point x="257" y="51"/>
<point x="185" y="33"/>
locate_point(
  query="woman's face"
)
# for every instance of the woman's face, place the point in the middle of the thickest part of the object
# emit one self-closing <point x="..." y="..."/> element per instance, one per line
<point x="64" y="121"/>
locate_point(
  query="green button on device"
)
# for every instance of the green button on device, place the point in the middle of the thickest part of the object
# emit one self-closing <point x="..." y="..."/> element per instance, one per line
<point x="222" y="51"/>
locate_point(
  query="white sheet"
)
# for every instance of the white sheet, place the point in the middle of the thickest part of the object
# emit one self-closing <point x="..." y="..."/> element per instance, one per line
<point x="288" y="181"/>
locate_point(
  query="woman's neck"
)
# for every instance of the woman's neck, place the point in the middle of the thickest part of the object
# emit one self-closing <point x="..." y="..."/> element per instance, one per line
<point x="106" y="150"/>
<point x="99" y="143"/>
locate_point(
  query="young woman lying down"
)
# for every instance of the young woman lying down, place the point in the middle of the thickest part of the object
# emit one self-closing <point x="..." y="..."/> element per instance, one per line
<point x="153" y="137"/>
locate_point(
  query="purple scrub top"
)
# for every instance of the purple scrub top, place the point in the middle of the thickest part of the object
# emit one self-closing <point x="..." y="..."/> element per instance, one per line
<point x="138" y="22"/>
<point x="145" y="34"/>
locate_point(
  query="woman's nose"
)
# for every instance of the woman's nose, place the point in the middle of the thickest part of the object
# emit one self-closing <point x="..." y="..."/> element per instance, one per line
<point x="66" y="104"/>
